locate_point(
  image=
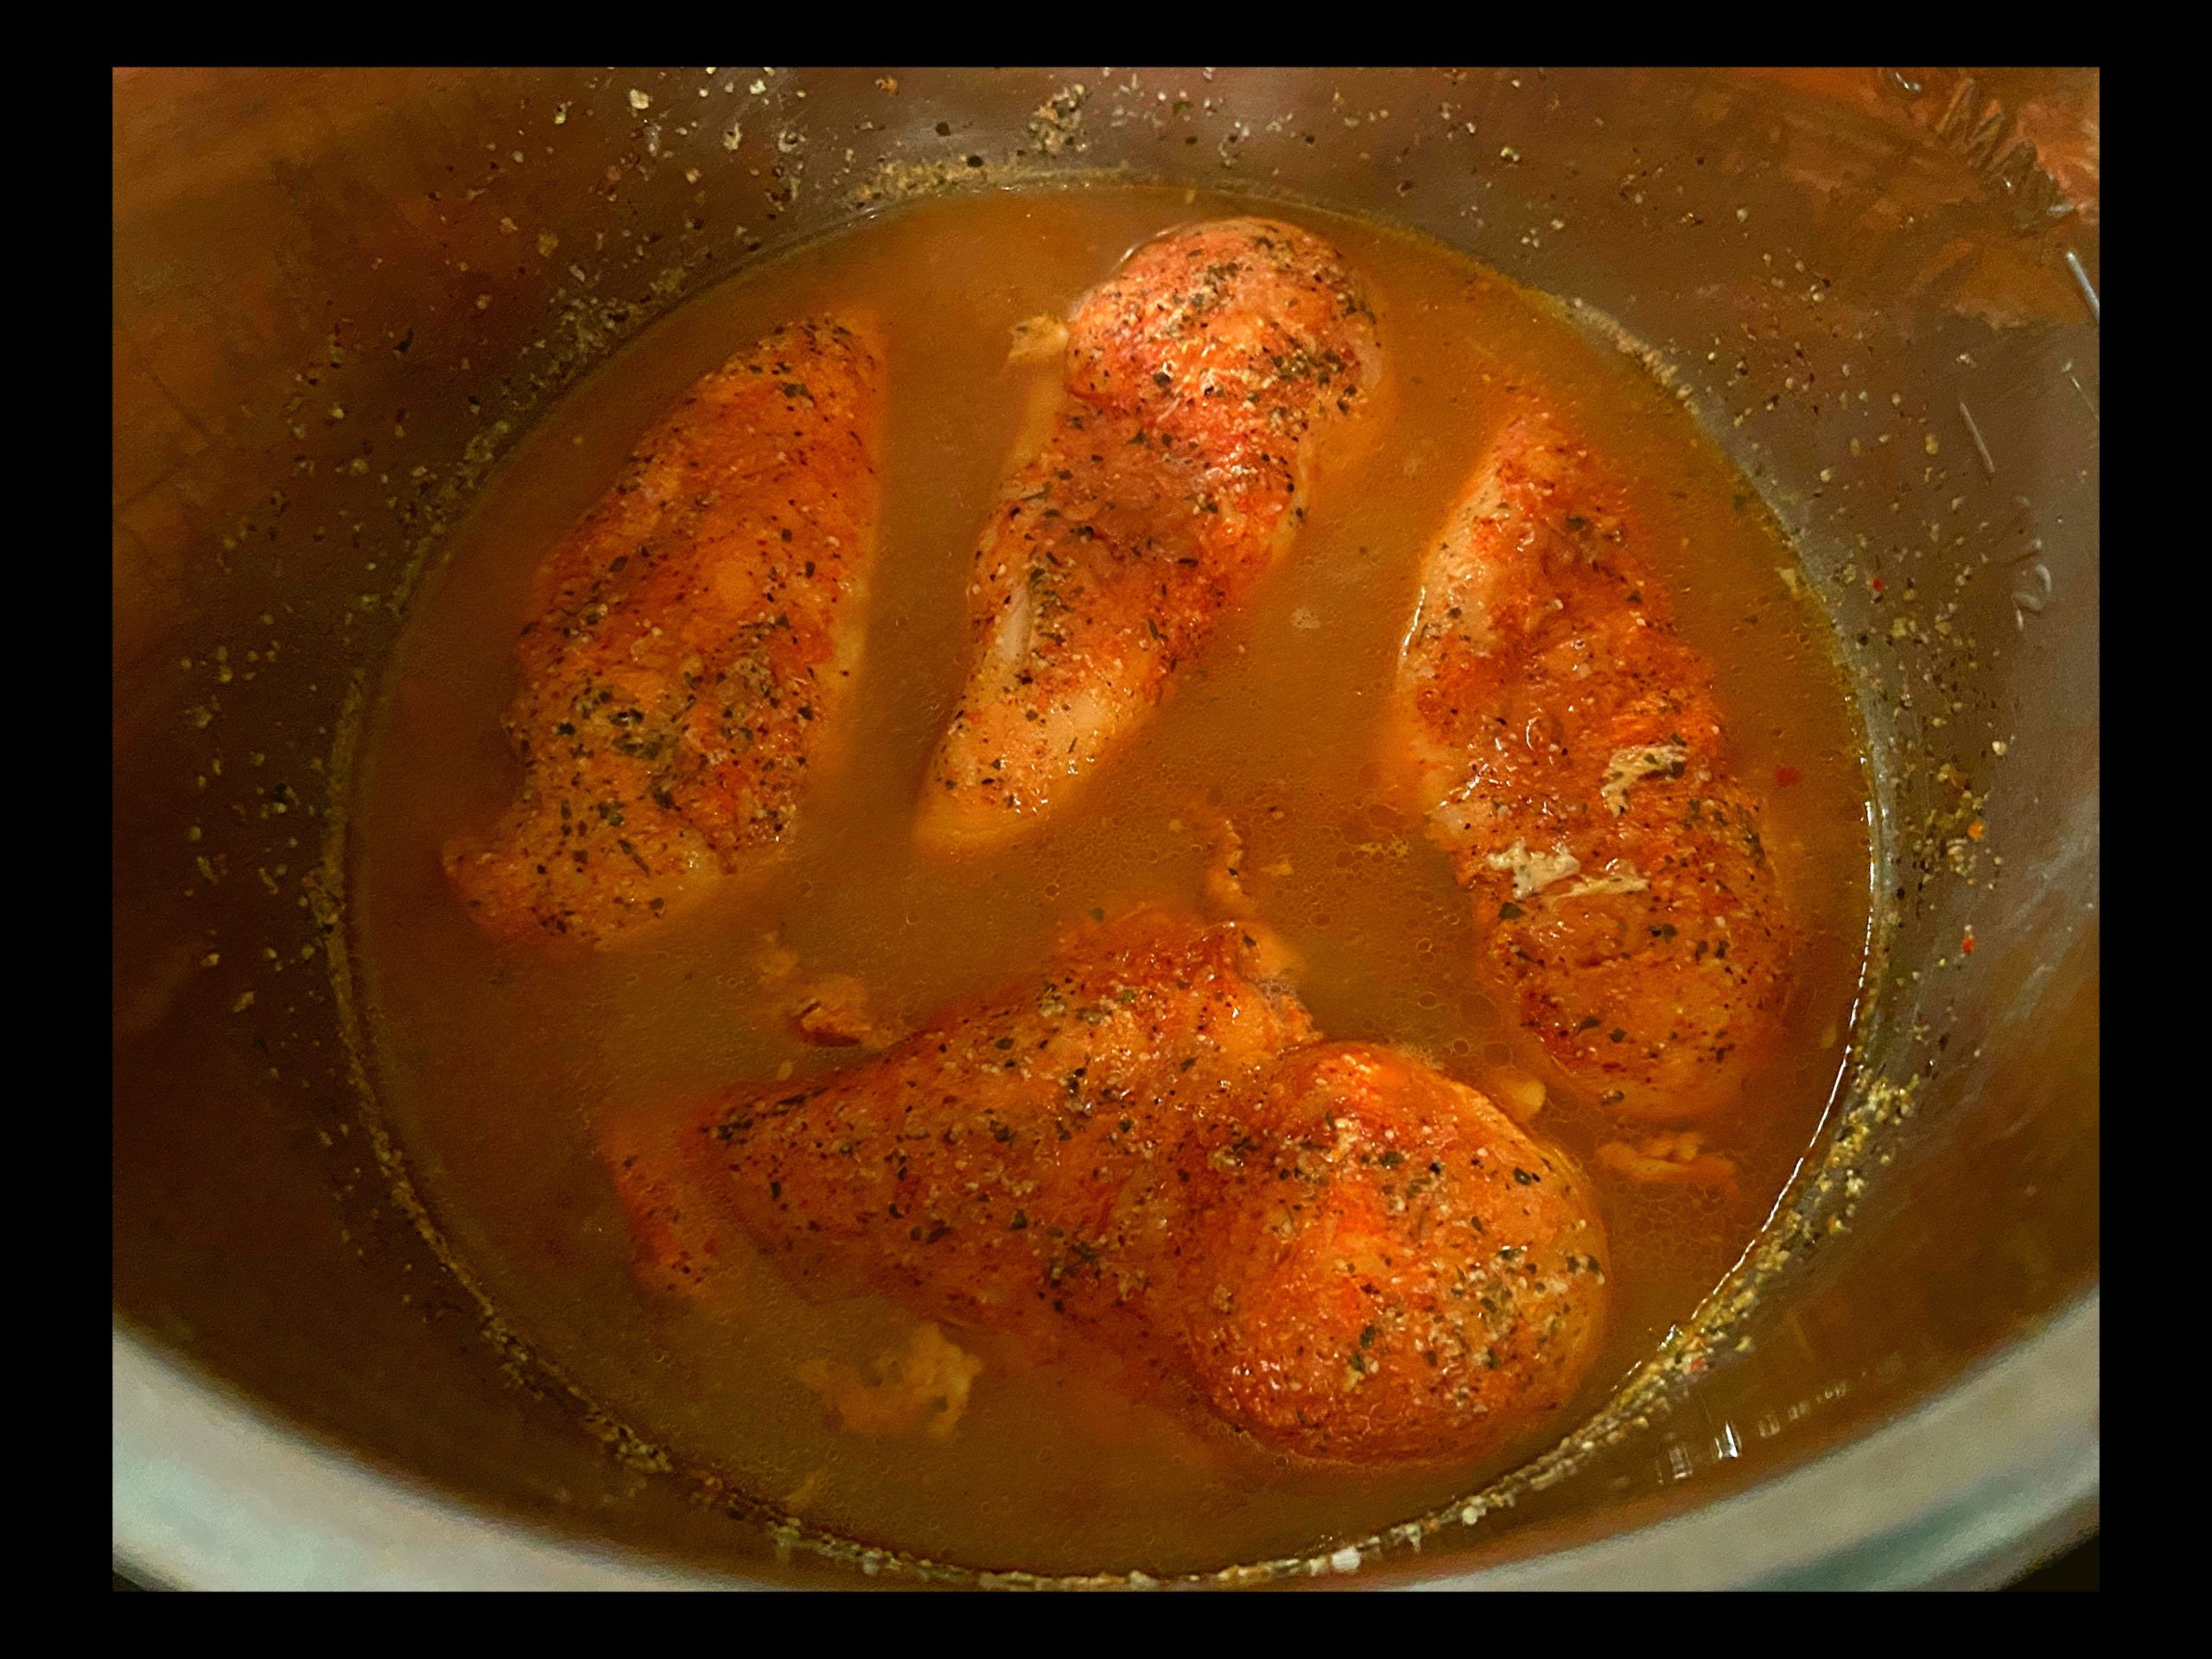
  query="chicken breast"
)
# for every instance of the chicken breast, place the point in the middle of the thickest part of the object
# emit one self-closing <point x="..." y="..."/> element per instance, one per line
<point x="1566" y="747"/>
<point x="690" y="647"/>
<point x="1382" y="1265"/>
<point x="1341" y="1251"/>
<point x="1201" y="384"/>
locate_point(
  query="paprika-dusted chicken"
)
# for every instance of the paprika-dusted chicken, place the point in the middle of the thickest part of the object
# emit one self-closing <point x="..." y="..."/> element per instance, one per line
<point x="1567" y="750"/>
<point x="1340" y="1250"/>
<point x="1200" y="384"/>
<point x="690" y="646"/>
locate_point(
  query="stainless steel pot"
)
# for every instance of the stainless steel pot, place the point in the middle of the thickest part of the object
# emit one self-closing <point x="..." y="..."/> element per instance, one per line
<point x="339" y="296"/>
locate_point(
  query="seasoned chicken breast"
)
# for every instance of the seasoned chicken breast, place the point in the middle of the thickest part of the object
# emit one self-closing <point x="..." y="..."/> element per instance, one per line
<point x="1342" y="1252"/>
<point x="690" y="646"/>
<point x="1201" y="384"/>
<point x="1567" y="749"/>
<point x="1380" y="1264"/>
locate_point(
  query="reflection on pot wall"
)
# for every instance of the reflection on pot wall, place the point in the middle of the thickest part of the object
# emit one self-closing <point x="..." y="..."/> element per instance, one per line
<point x="339" y="297"/>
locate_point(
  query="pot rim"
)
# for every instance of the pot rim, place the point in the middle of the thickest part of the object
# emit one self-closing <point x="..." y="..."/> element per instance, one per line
<point x="1969" y="1488"/>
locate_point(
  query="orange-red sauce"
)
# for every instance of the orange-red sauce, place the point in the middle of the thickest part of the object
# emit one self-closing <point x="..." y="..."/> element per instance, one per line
<point x="495" y="1064"/>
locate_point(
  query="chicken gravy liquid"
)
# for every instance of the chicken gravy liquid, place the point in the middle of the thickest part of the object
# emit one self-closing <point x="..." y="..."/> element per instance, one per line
<point x="495" y="1064"/>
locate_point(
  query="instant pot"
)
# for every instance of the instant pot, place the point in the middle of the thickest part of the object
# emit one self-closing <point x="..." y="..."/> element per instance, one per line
<point x="340" y="297"/>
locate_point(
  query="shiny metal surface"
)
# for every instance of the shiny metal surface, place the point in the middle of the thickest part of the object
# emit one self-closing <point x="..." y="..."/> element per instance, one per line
<point x="1952" y="1520"/>
<point x="340" y="295"/>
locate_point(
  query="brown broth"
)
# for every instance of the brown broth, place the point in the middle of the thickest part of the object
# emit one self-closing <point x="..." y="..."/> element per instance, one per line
<point x="494" y="1065"/>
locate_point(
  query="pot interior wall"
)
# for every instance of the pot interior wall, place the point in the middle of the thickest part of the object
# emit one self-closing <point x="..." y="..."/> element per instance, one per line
<point x="339" y="297"/>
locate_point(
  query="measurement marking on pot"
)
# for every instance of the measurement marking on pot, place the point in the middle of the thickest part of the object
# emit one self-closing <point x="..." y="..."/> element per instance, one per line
<point x="2088" y="289"/>
<point x="2074" y="380"/>
<point x="1981" y="447"/>
<point x="2027" y="602"/>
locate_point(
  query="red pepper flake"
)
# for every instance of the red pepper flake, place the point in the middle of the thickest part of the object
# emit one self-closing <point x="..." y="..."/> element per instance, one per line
<point x="1788" y="776"/>
<point x="1976" y="830"/>
<point x="1965" y="944"/>
<point x="1877" y="584"/>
